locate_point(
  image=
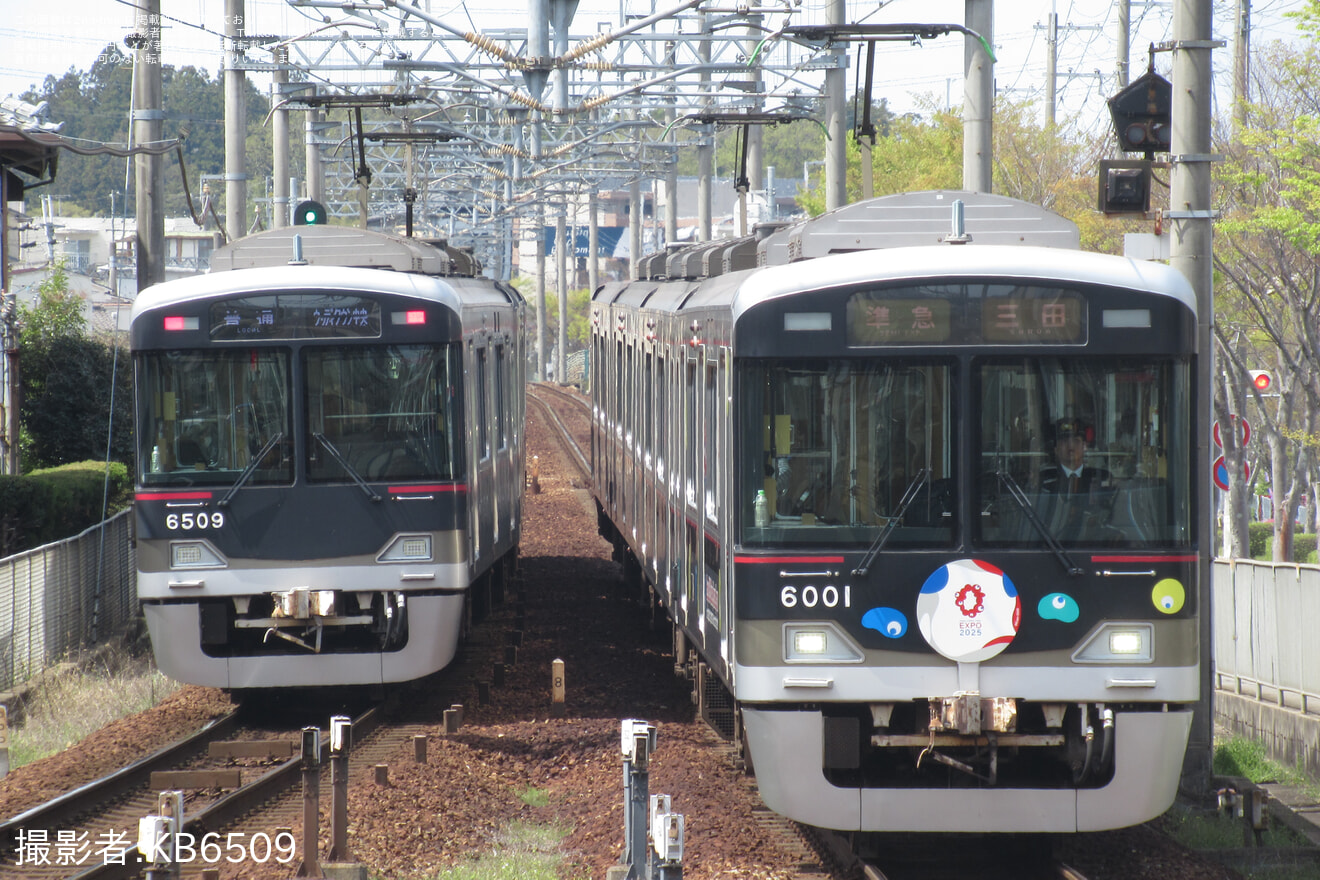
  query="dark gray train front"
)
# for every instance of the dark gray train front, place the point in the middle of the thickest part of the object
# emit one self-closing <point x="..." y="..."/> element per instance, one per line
<point x="331" y="470"/>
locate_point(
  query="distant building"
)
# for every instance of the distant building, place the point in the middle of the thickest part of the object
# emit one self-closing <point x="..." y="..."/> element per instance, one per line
<point x="99" y="257"/>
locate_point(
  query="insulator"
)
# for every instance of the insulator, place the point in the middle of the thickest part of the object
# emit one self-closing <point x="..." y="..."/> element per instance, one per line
<point x="591" y="45"/>
<point x="595" y="102"/>
<point x="486" y="44"/>
<point x="600" y="65"/>
<point x="527" y="101"/>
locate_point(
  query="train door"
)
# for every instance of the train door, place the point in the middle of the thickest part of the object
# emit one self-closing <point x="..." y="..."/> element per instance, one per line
<point x="662" y="430"/>
<point x="614" y="427"/>
<point x="503" y="466"/>
<point x="647" y="512"/>
<point x="690" y="500"/>
<point x="725" y="501"/>
<point x="711" y="469"/>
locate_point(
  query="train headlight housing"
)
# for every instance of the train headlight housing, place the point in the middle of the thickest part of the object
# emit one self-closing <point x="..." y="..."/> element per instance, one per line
<point x="194" y="554"/>
<point x="407" y="548"/>
<point x="818" y="642"/>
<point x="1118" y="642"/>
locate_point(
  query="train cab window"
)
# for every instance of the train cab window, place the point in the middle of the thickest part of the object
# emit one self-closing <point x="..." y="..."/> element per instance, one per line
<point x="840" y="448"/>
<point x="206" y="416"/>
<point x="1092" y="451"/>
<point x="381" y="412"/>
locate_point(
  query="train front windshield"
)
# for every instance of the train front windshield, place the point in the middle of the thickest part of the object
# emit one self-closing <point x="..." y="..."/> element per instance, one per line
<point x="845" y="448"/>
<point x="378" y="412"/>
<point x="842" y="447"/>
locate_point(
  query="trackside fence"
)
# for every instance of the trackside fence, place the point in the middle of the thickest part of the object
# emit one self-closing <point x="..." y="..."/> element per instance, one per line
<point x="65" y="595"/>
<point x="1267" y="656"/>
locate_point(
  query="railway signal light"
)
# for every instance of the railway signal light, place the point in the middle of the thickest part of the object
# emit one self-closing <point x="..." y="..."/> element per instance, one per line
<point x="309" y="213"/>
<point x="1124" y="186"/>
<point x="1262" y="380"/>
<point x="1143" y="114"/>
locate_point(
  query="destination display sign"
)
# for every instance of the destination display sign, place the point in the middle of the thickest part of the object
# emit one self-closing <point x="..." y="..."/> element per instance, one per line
<point x="295" y="316"/>
<point x="967" y="314"/>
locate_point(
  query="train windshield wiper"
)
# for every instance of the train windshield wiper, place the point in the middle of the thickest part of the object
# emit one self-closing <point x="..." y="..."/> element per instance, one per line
<point x="909" y="495"/>
<point x="1032" y="517"/>
<point x="343" y="462"/>
<point x="250" y="469"/>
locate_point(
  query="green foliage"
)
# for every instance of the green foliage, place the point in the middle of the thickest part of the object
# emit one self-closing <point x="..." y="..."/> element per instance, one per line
<point x="578" y="312"/>
<point x="1258" y="539"/>
<point x="94" y="105"/>
<point x="1246" y="758"/>
<point x="57" y="312"/>
<point x="1304" y="547"/>
<point x="66" y="404"/>
<point x="58" y="503"/>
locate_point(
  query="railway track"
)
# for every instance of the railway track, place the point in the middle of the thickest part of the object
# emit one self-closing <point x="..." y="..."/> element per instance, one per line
<point x="816" y="853"/>
<point x="541" y="395"/>
<point x="243" y="782"/>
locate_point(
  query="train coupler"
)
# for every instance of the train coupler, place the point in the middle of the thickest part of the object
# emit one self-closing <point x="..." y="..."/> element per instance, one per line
<point x="968" y="713"/>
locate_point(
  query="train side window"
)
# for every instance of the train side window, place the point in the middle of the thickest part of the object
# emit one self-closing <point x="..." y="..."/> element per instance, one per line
<point x="662" y="426"/>
<point x="648" y="416"/>
<point x="689" y="430"/>
<point x="482" y="392"/>
<point x="708" y="422"/>
<point x="501" y="405"/>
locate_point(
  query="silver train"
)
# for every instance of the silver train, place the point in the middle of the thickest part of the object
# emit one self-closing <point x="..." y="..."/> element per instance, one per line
<point x="829" y="451"/>
<point x="331" y="464"/>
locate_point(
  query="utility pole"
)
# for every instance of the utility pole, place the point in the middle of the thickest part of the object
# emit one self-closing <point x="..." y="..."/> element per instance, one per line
<point x="9" y="334"/>
<point x="1241" y="62"/>
<point x="235" y="121"/>
<point x="978" y="96"/>
<point x="1191" y="225"/>
<point x="1051" y="68"/>
<point x="279" y="208"/>
<point x="1123" y="64"/>
<point x="147" y="125"/>
<point x="836" y="106"/>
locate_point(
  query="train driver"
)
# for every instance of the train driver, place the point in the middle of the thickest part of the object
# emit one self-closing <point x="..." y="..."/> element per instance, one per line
<point x="1081" y="493"/>
<point x="1070" y="475"/>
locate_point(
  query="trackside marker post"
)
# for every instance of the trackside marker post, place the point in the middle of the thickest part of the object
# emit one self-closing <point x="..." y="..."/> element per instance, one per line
<point x="557" y="688"/>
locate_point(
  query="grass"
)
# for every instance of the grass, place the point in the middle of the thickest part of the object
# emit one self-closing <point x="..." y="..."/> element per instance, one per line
<point x="1244" y="757"/>
<point x="1201" y="830"/>
<point x="524" y="851"/>
<point x="535" y="797"/>
<point x="68" y="703"/>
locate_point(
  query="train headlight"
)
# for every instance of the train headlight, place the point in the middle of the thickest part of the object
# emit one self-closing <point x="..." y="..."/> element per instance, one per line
<point x="1118" y="642"/>
<point x="194" y="554"/>
<point x="407" y="548"/>
<point x="819" y="642"/>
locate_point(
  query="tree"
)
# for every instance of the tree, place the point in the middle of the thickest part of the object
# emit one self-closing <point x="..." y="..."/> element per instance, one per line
<point x="1268" y="286"/>
<point x="58" y="311"/>
<point x="66" y="386"/>
<point x="94" y="105"/>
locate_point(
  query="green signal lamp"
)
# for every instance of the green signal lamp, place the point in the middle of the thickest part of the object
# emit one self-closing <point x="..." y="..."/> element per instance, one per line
<point x="309" y="213"/>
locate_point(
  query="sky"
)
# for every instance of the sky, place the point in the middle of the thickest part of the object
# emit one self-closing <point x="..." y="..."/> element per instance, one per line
<point x="47" y="38"/>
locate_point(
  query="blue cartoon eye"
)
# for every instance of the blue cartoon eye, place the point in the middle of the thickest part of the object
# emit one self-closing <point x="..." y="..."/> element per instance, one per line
<point x="1169" y="595"/>
<point x="887" y="621"/>
<point x="1058" y="606"/>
